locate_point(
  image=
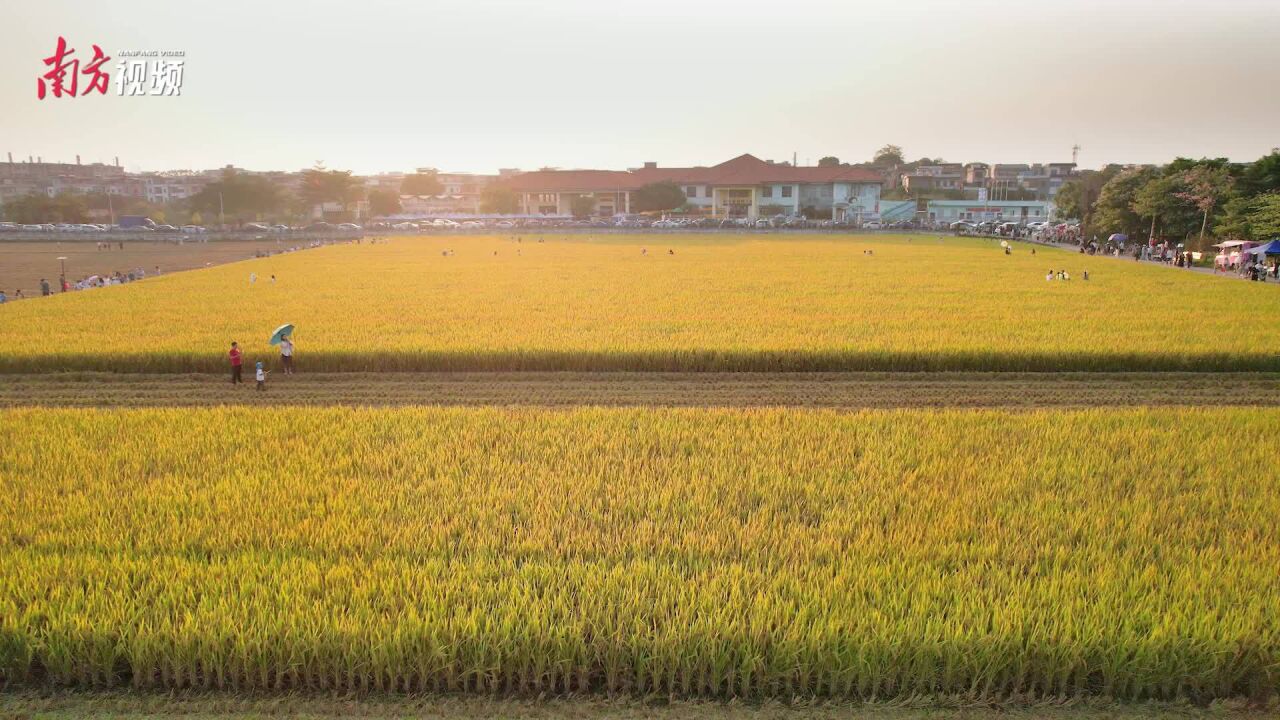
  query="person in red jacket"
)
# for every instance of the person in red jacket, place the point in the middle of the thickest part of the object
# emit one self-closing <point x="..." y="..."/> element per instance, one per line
<point x="236" y="362"/>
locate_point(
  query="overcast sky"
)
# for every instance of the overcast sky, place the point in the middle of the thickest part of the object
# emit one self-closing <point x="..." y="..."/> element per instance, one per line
<point x="480" y="84"/>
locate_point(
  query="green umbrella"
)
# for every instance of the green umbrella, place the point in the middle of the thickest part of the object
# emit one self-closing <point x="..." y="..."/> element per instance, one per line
<point x="281" y="333"/>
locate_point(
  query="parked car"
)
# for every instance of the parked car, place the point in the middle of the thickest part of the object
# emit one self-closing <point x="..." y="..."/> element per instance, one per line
<point x="873" y="225"/>
<point x="348" y="226"/>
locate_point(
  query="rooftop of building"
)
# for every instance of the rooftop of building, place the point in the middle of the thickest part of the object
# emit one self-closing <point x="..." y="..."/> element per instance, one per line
<point x="743" y="170"/>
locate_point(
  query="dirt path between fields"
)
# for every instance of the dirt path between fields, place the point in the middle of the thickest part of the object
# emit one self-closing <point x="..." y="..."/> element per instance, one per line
<point x="558" y="389"/>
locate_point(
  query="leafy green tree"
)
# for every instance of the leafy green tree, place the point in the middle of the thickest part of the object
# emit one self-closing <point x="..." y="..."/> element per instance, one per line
<point x="582" y="206"/>
<point x="237" y="196"/>
<point x="1078" y="197"/>
<point x="658" y="197"/>
<point x="829" y="161"/>
<point x="1113" y="211"/>
<point x="1204" y="186"/>
<point x="498" y="199"/>
<point x="67" y="207"/>
<point x="1234" y="221"/>
<point x="1157" y="199"/>
<point x="426" y="183"/>
<point x="888" y="156"/>
<point x="1264" y="220"/>
<point x="322" y="186"/>
<point x="1262" y="176"/>
<point x="384" y="202"/>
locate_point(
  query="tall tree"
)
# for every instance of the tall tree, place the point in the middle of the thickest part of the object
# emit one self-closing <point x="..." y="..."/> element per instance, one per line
<point x="1233" y="222"/>
<point x="888" y="156"/>
<point x="658" y="197"/>
<point x="498" y="199"/>
<point x="383" y="203"/>
<point x="1078" y="197"/>
<point x="1204" y="186"/>
<point x="582" y="206"/>
<point x="829" y="161"/>
<point x="238" y="197"/>
<point x="1113" y="211"/>
<point x="1264" y="219"/>
<point x="1262" y="175"/>
<point x="424" y="183"/>
<point x="67" y="207"/>
<point x="1156" y="198"/>
<point x="321" y="186"/>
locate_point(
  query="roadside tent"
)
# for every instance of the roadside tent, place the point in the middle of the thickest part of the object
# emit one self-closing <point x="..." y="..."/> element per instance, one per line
<point x="1271" y="248"/>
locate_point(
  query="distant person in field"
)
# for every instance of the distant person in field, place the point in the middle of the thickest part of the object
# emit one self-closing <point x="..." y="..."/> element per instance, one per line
<point x="44" y="288"/>
<point x="1086" y="274"/>
<point x="286" y="355"/>
<point x="237" y="362"/>
<point x="1049" y="276"/>
<point x="261" y="376"/>
<point x="253" y="278"/>
<point x="3" y="298"/>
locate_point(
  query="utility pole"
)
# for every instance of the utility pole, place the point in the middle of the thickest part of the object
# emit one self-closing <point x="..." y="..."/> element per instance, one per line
<point x="1075" y="154"/>
<point x="111" y="210"/>
<point x="222" y="218"/>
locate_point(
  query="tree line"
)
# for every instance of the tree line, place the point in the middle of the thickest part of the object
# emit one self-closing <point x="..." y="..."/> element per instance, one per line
<point x="1190" y="201"/>
<point x="237" y="197"/>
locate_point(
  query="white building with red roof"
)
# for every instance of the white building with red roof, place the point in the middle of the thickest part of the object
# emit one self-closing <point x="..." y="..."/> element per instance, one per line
<point x="745" y="186"/>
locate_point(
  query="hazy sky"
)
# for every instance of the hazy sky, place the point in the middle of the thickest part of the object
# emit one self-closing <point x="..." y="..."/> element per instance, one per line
<point x="481" y="84"/>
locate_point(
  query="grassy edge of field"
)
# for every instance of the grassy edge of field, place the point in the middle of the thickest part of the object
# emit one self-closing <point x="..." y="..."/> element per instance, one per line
<point x="693" y="360"/>
<point x="137" y="705"/>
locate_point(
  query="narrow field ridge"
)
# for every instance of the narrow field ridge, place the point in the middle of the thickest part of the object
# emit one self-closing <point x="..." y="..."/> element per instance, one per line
<point x="818" y="390"/>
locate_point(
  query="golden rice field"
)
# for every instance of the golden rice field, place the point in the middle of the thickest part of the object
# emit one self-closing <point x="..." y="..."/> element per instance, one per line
<point x="718" y="303"/>
<point x="716" y="553"/>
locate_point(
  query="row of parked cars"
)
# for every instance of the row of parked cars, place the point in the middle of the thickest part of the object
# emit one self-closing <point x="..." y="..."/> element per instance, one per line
<point x="313" y="227"/>
<point x="637" y="222"/>
<point x="94" y="228"/>
<point x="154" y="228"/>
<point x="1013" y="229"/>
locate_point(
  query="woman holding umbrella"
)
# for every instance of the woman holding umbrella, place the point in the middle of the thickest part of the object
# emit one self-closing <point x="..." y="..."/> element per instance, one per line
<point x="282" y="337"/>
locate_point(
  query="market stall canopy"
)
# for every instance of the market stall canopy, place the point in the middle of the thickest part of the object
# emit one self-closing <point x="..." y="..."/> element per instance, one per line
<point x="1271" y="248"/>
<point x="1118" y="237"/>
<point x="1231" y="244"/>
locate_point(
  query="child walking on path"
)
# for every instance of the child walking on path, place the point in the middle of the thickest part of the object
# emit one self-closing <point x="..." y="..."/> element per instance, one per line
<point x="261" y="377"/>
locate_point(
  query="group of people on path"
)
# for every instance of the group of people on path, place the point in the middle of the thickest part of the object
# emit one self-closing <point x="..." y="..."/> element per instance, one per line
<point x="1062" y="275"/>
<point x="260" y="372"/>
